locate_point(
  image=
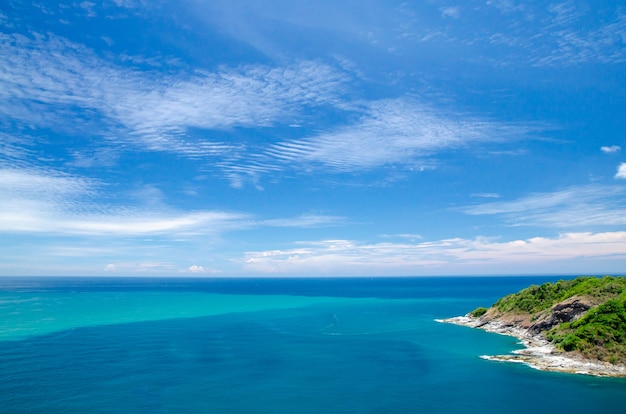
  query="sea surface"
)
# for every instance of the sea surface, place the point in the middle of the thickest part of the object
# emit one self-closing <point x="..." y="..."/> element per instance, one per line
<point x="332" y="345"/>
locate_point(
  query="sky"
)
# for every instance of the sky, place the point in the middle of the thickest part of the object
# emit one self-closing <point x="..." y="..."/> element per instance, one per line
<point x="296" y="138"/>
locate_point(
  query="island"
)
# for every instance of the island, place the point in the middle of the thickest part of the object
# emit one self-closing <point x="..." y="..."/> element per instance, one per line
<point x="574" y="326"/>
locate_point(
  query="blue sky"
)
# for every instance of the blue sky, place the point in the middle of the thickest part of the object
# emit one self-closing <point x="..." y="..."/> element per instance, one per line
<point x="326" y="138"/>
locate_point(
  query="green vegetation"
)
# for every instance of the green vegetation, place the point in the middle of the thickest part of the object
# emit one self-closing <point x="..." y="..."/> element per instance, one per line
<point x="478" y="312"/>
<point x="600" y="333"/>
<point x="538" y="298"/>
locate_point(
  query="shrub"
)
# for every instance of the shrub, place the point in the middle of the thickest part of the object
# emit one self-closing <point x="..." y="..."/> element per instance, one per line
<point x="571" y="342"/>
<point x="478" y="312"/>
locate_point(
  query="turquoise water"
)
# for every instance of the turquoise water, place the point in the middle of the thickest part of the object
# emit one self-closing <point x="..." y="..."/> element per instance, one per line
<point x="269" y="346"/>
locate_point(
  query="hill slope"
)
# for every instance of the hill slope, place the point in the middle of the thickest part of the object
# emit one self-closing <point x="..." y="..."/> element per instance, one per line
<point x="586" y="316"/>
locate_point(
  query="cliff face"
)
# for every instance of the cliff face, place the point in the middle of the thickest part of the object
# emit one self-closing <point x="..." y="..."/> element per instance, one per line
<point x="568" y="310"/>
<point x="565" y="311"/>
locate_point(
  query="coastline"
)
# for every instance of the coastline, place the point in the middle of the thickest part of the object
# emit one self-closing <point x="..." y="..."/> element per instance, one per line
<point x="538" y="352"/>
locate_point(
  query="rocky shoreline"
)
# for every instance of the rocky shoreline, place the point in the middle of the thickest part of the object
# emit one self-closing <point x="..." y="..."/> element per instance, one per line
<point x="538" y="352"/>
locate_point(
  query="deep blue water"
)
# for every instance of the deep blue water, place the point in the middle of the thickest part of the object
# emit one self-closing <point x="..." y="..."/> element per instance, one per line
<point x="94" y="345"/>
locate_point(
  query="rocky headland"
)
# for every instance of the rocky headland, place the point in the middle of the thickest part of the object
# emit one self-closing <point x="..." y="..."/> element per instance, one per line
<point x="574" y="326"/>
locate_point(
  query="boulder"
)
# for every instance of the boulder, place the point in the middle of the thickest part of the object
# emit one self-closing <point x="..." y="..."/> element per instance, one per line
<point x="566" y="311"/>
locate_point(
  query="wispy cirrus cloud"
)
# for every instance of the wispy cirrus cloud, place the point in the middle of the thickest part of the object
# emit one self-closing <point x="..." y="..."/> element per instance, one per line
<point x="45" y="202"/>
<point x="574" y="207"/>
<point x="565" y="33"/>
<point x="255" y="96"/>
<point x="485" y="195"/>
<point x="602" y="42"/>
<point x="561" y="33"/>
<point x="14" y="150"/>
<point x="394" y="131"/>
<point x="304" y="221"/>
<point x="439" y="257"/>
<point x="46" y="80"/>
<point x="451" y="11"/>
<point x="48" y="202"/>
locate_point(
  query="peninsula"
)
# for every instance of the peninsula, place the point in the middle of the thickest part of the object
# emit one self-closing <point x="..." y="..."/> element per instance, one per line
<point x="575" y="326"/>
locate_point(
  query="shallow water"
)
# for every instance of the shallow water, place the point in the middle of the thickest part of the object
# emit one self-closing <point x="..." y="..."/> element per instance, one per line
<point x="269" y="346"/>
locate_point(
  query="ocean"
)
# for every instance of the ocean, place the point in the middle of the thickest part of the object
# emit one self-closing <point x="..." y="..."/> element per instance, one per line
<point x="326" y="345"/>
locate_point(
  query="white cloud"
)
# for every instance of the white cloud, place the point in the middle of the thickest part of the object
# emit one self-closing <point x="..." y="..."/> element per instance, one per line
<point x="611" y="149"/>
<point x="558" y="34"/>
<point x="621" y="171"/>
<point x="130" y="4"/>
<point x="33" y="199"/>
<point x="200" y="270"/>
<point x="573" y="43"/>
<point x="506" y="6"/>
<point x="464" y="256"/>
<point x="408" y="236"/>
<point x="564" y="13"/>
<point x="304" y="221"/>
<point x="485" y="195"/>
<point x="14" y="150"/>
<point x="453" y="12"/>
<point x="48" y="202"/>
<point x="574" y="207"/>
<point x="388" y="132"/>
<point x="395" y="131"/>
<point x="132" y="224"/>
<point x="196" y="269"/>
<point x="129" y="268"/>
<point x="47" y="80"/>
<point x="252" y="96"/>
